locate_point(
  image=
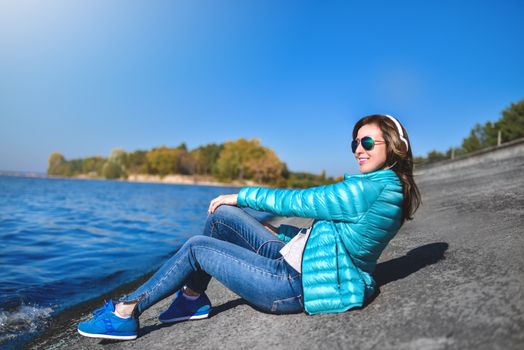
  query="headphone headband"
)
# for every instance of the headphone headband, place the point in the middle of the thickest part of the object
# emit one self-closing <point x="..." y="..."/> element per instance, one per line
<point x="399" y="128"/>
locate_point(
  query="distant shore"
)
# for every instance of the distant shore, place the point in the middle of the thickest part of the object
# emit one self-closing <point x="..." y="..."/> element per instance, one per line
<point x="187" y="180"/>
<point x="198" y="180"/>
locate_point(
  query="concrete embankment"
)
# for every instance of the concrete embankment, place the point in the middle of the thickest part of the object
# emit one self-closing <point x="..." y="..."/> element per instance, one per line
<point x="452" y="279"/>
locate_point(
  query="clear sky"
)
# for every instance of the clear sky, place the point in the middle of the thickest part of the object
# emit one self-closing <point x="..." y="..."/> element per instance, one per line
<point x="85" y="77"/>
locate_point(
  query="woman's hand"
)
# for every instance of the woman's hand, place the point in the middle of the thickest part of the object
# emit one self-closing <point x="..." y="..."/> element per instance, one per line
<point x="228" y="199"/>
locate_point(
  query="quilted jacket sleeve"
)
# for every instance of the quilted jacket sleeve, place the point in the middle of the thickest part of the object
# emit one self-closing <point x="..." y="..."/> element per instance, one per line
<point x="344" y="201"/>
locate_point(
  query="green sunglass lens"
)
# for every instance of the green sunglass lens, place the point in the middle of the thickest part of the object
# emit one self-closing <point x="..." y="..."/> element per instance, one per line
<point x="367" y="143"/>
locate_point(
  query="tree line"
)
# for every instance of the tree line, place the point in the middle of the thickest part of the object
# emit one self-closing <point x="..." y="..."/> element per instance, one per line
<point x="243" y="159"/>
<point x="508" y="128"/>
<point x="238" y="160"/>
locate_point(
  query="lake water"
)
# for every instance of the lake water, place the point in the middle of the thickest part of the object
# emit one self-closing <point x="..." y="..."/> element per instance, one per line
<point x="63" y="242"/>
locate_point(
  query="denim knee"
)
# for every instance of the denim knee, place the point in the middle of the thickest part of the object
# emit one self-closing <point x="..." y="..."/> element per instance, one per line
<point x="196" y="240"/>
<point x="226" y="211"/>
<point x="223" y="213"/>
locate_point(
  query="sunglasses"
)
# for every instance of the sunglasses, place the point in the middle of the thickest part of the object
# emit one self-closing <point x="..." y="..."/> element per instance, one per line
<point x="367" y="143"/>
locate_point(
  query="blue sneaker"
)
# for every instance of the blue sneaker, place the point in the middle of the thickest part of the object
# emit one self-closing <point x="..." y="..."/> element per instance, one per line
<point x="182" y="309"/>
<point x="105" y="324"/>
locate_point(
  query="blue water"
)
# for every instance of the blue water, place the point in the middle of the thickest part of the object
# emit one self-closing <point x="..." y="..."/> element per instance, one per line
<point x="63" y="242"/>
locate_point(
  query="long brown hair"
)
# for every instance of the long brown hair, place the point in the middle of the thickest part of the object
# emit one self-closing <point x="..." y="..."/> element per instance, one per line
<point x="398" y="159"/>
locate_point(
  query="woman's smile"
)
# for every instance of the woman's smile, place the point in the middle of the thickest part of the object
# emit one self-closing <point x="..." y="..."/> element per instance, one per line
<point x="361" y="160"/>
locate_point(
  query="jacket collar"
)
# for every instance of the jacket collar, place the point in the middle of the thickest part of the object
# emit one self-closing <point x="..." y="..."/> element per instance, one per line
<point x="387" y="174"/>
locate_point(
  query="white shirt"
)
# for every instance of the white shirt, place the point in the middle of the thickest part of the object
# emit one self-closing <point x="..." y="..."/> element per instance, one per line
<point x="294" y="249"/>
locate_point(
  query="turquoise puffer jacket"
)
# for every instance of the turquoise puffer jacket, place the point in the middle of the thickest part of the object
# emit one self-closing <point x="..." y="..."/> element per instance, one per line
<point x="354" y="221"/>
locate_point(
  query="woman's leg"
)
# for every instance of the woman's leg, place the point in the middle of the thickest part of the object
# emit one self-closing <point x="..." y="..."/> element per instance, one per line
<point x="234" y="225"/>
<point x="269" y="284"/>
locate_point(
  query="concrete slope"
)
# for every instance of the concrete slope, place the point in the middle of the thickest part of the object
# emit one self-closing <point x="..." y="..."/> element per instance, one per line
<point x="452" y="279"/>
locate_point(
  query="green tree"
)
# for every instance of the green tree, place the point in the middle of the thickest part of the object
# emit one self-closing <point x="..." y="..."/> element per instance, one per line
<point x="511" y="124"/>
<point x="76" y="166"/>
<point x="205" y="158"/>
<point x="419" y="161"/>
<point x="55" y="164"/>
<point x="93" y="165"/>
<point x="323" y="176"/>
<point x="115" y="167"/>
<point x="111" y="170"/>
<point x="137" y="162"/>
<point x="473" y="142"/>
<point x="490" y="135"/>
<point x="182" y="147"/>
<point x="58" y="165"/>
<point x="435" y="156"/>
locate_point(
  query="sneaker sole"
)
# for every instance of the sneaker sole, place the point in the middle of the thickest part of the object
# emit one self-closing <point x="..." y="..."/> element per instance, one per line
<point x="107" y="336"/>
<point x="177" y="319"/>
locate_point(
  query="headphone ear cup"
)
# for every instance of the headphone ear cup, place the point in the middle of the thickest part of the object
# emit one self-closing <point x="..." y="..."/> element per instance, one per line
<point x="399" y="129"/>
<point x="405" y="142"/>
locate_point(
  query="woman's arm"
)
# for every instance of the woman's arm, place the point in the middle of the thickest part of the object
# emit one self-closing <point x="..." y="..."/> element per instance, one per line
<point x="231" y="199"/>
<point x="344" y="201"/>
<point x="228" y="199"/>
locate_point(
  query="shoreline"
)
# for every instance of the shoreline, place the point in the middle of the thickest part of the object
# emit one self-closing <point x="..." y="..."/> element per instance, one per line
<point x="60" y="323"/>
<point x="196" y="180"/>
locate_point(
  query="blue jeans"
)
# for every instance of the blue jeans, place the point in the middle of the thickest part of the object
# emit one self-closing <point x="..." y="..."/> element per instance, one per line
<point x="239" y="252"/>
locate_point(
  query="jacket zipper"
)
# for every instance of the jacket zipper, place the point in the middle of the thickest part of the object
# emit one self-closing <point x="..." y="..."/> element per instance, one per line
<point x="302" y="268"/>
<point x="336" y="260"/>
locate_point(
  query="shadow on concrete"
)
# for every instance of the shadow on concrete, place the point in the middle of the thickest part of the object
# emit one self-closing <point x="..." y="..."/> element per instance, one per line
<point x="399" y="268"/>
<point x="414" y="260"/>
<point x="226" y="306"/>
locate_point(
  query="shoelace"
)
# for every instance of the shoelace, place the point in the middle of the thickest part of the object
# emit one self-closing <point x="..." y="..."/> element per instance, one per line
<point x="101" y="310"/>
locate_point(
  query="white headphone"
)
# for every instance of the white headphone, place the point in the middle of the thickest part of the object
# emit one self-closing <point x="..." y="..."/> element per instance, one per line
<point x="400" y="132"/>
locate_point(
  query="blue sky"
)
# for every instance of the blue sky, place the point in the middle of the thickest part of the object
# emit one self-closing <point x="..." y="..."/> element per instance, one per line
<point x="85" y="77"/>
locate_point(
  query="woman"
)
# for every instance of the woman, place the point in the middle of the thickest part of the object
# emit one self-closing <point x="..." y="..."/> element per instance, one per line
<point x="324" y="269"/>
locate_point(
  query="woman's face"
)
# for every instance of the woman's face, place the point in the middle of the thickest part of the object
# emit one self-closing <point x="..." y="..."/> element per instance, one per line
<point x="374" y="159"/>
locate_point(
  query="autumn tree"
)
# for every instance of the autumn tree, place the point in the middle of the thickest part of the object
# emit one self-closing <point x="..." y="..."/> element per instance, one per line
<point x="233" y="160"/>
<point x="265" y="166"/>
<point x="163" y="160"/>
<point x="186" y="163"/>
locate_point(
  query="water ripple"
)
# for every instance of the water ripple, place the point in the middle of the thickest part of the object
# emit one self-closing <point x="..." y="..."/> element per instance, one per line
<point x="63" y="242"/>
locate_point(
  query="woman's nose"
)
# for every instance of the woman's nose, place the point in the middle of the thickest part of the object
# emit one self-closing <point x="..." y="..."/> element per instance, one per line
<point x="360" y="149"/>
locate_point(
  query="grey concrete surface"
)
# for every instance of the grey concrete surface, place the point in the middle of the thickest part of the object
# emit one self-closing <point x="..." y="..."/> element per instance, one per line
<point x="453" y="278"/>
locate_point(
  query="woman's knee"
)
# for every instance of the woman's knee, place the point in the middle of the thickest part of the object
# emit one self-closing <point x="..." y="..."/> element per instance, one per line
<point x="227" y="211"/>
<point x="197" y="240"/>
<point x="223" y="214"/>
